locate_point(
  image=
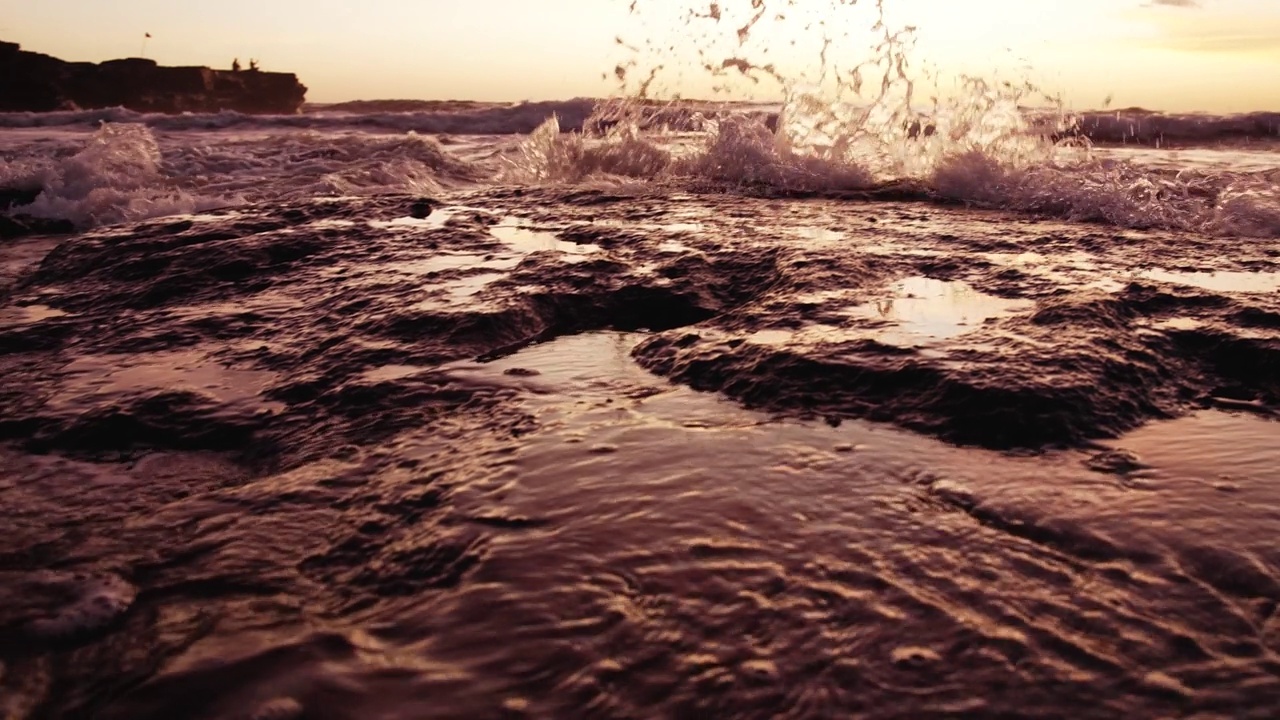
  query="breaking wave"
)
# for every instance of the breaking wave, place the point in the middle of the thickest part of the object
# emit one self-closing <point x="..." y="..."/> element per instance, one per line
<point x="994" y="143"/>
<point x="984" y="157"/>
<point x="124" y="173"/>
<point x="1144" y="127"/>
<point x="117" y="177"/>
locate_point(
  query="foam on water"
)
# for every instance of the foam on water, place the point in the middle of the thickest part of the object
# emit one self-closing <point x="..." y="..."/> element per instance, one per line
<point x="128" y="172"/>
<point x="307" y="164"/>
<point x="116" y="177"/>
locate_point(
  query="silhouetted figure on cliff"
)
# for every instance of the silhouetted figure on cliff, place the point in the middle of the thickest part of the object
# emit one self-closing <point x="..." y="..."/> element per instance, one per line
<point x="235" y="65"/>
<point x="253" y="65"/>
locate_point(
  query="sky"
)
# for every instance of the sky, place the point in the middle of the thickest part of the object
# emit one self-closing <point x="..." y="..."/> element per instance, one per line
<point x="1172" y="55"/>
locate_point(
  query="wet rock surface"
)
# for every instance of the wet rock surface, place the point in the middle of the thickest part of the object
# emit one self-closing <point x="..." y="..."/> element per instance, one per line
<point x="611" y="454"/>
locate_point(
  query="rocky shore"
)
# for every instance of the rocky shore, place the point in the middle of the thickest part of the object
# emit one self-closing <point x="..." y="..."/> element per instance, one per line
<point x="33" y="82"/>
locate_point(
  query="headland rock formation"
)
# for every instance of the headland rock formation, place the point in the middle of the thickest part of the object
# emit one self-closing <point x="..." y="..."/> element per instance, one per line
<point x="34" y="82"/>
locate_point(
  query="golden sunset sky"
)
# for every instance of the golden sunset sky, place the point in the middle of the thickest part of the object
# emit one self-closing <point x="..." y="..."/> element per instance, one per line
<point x="1174" y="55"/>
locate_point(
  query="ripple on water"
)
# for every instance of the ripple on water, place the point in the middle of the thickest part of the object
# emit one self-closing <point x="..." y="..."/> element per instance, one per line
<point x="388" y="373"/>
<point x="710" y="542"/>
<point x="454" y="261"/>
<point x="91" y="376"/>
<point x="715" y="563"/>
<point x="66" y="606"/>
<point x="1220" y="281"/>
<point x="455" y="294"/>
<point x="1213" y="445"/>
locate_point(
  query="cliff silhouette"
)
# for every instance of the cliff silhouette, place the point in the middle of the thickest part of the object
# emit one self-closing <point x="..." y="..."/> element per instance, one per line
<point x="33" y="82"/>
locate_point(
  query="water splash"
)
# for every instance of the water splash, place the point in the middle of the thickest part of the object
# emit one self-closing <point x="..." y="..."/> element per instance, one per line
<point x="851" y="117"/>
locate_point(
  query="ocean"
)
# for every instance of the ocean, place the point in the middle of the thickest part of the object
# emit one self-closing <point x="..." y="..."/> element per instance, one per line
<point x="633" y="409"/>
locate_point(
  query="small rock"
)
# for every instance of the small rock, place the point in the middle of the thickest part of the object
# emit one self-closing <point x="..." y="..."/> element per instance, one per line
<point x="603" y="449"/>
<point x="420" y="209"/>
<point x="1115" y="462"/>
<point x="521" y="372"/>
<point x="844" y="448"/>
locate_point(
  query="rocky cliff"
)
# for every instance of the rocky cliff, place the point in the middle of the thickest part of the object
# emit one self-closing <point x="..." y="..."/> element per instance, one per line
<point x="40" y="83"/>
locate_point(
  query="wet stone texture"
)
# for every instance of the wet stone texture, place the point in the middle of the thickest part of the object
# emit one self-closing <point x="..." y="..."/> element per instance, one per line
<point x="541" y="453"/>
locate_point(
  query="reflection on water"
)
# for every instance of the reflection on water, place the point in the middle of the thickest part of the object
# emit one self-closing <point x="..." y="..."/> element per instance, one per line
<point x="1223" y="281"/>
<point x="922" y="308"/>
<point x="524" y="239"/>
<point x="454" y="294"/>
<point x="28" y="314"/>
<point x="178" y="370"/>
<point x="1212" y="446"/>
<point x="912" y="312"/>
<point x="388" y="373"/>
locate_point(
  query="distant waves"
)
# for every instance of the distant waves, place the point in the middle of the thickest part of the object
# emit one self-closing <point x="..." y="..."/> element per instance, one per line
<point x="1130" y="126"/>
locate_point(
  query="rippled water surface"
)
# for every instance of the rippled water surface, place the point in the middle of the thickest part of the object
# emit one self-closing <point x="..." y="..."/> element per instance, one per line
<point x="621" y="453"/>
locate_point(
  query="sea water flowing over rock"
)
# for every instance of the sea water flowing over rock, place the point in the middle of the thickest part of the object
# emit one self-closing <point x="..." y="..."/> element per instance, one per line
<point x="635" y="452"/>
<point x="638" y="409"/>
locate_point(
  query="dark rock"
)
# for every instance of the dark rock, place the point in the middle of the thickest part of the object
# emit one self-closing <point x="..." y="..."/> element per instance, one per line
<point x="23" y="225"/>
<point x="13" y="197"/>
<point x="420" y="209"/>
<point x="32" y="82"/>
<point x="1115" y="462"/>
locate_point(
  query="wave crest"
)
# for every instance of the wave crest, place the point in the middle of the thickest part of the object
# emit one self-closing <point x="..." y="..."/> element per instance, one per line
<point x="115" y="178"/>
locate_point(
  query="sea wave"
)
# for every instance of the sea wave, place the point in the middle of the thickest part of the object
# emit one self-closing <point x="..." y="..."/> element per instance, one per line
<point x="431" y="118"/>
<point x="982" y="149"/>
<point x="122" y="172"/>
<point x="116" y="177"/>
<point x="1144" y="127"/>
<point x="984" y="159"/>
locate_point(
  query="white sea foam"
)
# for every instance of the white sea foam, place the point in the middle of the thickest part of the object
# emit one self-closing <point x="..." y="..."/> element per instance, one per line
<point x="116" y="177"/>
<point x="127" y="172"/>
